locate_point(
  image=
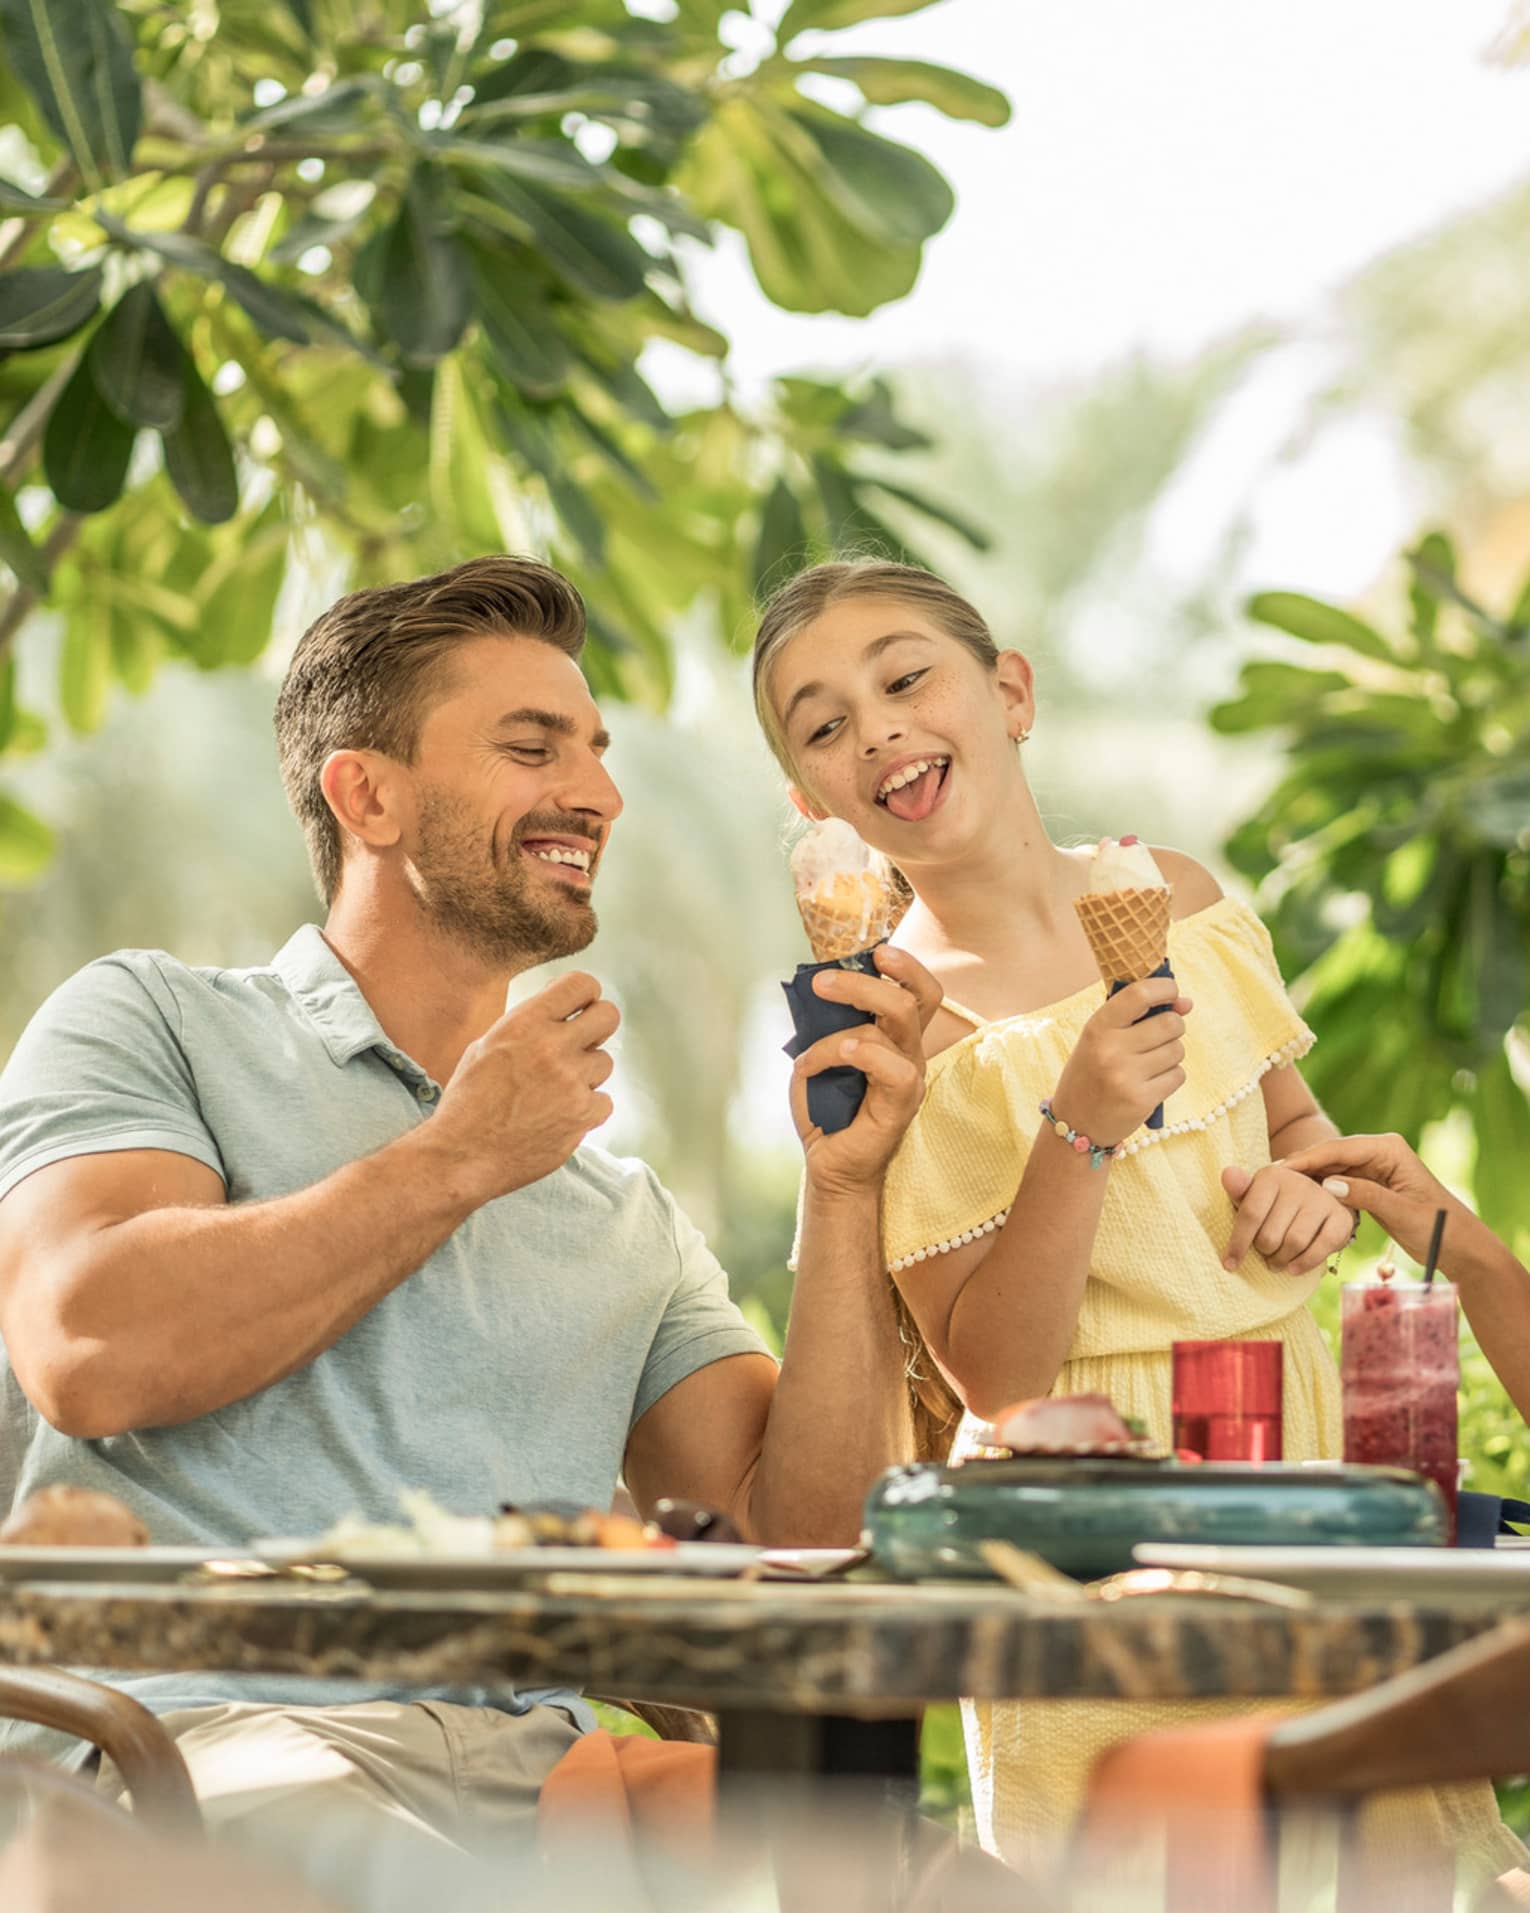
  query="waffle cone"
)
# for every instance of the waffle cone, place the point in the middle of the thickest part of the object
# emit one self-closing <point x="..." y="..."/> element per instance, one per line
<point x="1128" y="931"/>
<point x="849" y="912"/>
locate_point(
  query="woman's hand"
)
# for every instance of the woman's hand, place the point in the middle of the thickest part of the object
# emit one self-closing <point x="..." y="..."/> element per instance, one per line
<point x="1293" y="1223"/>
<point x="1122" y="1068"/>
<point x="903" y="996"/>
<point x="1382" y="1176"/>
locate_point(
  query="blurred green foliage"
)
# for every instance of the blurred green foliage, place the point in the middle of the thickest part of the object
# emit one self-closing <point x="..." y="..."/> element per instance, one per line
<point x="1392" y="860"/>
<point x="385" y="290"/>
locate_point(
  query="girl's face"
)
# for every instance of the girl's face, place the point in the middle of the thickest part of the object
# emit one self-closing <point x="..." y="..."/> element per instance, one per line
<point x="895" y="726"/>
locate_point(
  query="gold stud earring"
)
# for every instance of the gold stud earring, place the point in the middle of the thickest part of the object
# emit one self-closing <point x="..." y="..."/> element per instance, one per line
<point x="1023" y="737"/>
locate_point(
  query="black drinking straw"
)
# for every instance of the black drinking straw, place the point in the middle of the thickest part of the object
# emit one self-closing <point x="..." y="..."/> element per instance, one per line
<point x="1434" y="1245"/>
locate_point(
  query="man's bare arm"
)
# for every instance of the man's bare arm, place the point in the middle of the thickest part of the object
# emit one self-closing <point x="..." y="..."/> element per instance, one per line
<point x="133" y="1295"/>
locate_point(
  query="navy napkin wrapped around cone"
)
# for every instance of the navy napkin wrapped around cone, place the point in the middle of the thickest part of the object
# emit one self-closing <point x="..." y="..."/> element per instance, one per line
<point x="1155" y="1121"/>
<point x="834" y="1095"/>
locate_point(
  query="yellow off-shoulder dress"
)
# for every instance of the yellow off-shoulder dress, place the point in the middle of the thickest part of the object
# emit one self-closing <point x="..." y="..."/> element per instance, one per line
<point x="1156" y="1275"/>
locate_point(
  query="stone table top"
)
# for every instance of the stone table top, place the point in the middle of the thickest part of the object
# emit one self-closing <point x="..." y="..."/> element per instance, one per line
<point x="835" y="1648"/>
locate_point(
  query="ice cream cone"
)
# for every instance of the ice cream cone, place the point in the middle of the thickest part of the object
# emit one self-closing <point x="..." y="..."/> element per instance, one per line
<point x="848" y="911"/>
<point x="1128" y="931"/>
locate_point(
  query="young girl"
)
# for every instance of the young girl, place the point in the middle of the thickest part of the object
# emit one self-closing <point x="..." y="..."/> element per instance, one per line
<point x="1023" y="1267"/>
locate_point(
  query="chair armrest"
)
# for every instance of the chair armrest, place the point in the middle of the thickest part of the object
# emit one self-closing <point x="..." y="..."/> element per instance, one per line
<point x="150" y="1762"/>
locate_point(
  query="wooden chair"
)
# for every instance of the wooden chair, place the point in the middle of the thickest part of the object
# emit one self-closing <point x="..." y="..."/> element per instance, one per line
<point x="150" y="1763"/>
<point x="1221" y="1792"/>
<point x="1462" y="1716"/>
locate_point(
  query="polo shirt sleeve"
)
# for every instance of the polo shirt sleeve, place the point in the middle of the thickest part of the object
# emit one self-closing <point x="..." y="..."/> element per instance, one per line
<point x="700" y="1325"/>
<point x="100" y="1067"/>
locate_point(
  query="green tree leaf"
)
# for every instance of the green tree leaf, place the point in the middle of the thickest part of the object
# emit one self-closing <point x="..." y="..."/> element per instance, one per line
<point x="782" y="545"/>
<point x="896" y="82"/>
<point x="239" y="609"/>
<point x="517" y="321"/>
<point x="1317" y="623"/>
<point x="26" y="844"/>
<point x="1432" y="562"/>
<point x="591" y="253"/>
<point x="135" y="359"/>
<point x="822" y="16"/>
<point x="887" y="189"/>
<point x="86" y="447"/>
<point x="932" y="508"/>
<point x="541" y="162"/>
<point x="198" y="456"/>
<point x="39" y="304"/>
<point x="137" y="648"/>
<point x="77" y="62"/>
<point x="426" y="292"/>
<point x="85" y="665"/>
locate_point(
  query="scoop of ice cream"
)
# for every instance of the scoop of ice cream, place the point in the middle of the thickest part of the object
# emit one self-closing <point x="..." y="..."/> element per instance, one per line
<point x="1124" y="864"/>
<point x="69" y="1517"/>
<point x="832" y="848"/>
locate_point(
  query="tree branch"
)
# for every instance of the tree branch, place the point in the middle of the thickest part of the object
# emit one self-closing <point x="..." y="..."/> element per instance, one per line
<point x="14" y="233"/>
<point x="19" y="606"/>
<point x="31" y="421"/>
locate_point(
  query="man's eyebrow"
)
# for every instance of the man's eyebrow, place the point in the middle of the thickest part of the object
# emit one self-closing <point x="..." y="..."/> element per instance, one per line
<point x="558" y="722"/>
<point x="873" y="651"/>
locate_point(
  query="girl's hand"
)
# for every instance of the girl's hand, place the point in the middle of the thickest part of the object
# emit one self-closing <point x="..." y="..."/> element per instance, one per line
<point x="1293" y="1223"/>
<point x="1122" y="1068"/>
<point x="903" y="997"/>
<point x="1383" y="1176"/>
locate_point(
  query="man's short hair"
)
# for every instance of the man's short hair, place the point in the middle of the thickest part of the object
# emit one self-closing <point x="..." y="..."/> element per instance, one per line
<point x="367" y="669"/>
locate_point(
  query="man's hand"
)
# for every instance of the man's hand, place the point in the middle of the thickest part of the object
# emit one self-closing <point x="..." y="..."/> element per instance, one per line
<point x="903" y="996"/>
<point x="1293" y="1223"/>
<point x="527" y="1093"/>
<point x="1382" y="1176"/>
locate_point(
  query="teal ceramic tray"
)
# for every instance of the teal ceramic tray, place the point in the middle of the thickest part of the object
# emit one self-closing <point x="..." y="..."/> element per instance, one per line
<point x="1084" y="1516"/>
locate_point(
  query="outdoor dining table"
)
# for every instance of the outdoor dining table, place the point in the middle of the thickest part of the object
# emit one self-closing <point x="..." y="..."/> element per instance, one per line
<point x="805" y="1679"/>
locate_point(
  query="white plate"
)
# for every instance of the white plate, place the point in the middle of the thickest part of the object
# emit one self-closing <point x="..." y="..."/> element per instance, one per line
<point x="713" y="1559"/>
<point x="108" y="1564"/>
<point x="1498" y="1574"/>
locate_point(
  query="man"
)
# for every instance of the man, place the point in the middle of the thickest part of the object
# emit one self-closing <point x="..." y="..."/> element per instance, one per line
<point x="1383" y="1177"/>
<point x="277" y="1242"/>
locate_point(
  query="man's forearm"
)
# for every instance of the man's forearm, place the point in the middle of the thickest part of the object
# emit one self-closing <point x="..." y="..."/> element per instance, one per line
<point x="840" y="1414"/>
<point x="1495" y="1293"/>
<point x="177" y="1312"/>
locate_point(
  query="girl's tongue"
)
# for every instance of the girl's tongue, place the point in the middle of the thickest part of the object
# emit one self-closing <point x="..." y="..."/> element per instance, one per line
<point x="914" y="802"/>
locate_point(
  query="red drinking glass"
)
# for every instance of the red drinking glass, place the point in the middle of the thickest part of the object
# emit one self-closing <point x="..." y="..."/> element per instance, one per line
<point x="1227" y="1400"/>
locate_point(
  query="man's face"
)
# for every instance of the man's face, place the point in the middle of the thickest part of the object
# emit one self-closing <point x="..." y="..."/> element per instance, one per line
<point x="513" y="804"/>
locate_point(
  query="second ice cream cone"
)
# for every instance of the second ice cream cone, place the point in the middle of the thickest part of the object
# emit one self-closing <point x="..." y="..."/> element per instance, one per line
<point x="1128" y="931"/>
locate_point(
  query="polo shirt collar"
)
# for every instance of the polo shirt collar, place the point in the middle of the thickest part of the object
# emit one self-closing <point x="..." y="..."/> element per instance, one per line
<point x="328" y="995"/>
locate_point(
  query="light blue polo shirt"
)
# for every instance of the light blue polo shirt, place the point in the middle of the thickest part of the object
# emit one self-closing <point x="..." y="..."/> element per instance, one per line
<point x="511" y="1366"/>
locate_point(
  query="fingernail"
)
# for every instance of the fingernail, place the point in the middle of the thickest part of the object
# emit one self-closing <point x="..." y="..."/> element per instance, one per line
<point x="850" y="1045"/>
<point x="1336" y="1186"/>
<point x="1228" y="1263"/>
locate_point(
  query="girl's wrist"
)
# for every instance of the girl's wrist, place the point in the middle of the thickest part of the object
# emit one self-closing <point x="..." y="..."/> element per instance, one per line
<point x="1099" y="1155"/>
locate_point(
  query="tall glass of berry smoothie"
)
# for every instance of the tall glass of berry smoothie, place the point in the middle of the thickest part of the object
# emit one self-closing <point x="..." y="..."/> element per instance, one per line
<point x="1401" y="1367"/>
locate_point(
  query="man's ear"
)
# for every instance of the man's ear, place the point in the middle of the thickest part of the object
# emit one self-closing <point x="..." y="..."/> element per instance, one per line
<point x="369" y="795"/>
<point x="1016" y="684"/>
<point x="814" y="813"/>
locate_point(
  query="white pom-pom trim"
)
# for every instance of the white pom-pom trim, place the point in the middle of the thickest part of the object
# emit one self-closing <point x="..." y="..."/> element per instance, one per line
<point x="1287" y="1053"/>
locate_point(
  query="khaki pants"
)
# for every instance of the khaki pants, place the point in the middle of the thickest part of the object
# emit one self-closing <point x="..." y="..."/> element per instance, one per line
<point x="382" y="1805"/>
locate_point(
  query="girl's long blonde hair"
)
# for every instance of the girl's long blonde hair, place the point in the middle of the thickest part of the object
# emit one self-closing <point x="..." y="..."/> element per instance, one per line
<point x="935" y="1406"/>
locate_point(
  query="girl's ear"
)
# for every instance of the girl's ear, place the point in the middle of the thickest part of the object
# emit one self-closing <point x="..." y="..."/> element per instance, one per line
<point x="805" y="805"/>
<point x="1017" y="691"/>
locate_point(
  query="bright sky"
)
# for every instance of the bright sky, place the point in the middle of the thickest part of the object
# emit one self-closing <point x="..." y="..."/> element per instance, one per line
<point x="1171" y="170"/>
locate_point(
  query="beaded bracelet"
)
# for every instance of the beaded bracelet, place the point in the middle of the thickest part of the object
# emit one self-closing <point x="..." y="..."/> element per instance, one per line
<point x="1098" y="1153"/>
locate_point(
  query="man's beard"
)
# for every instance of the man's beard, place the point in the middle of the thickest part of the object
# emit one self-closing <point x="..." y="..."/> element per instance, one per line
<point x="497" y="906"/>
